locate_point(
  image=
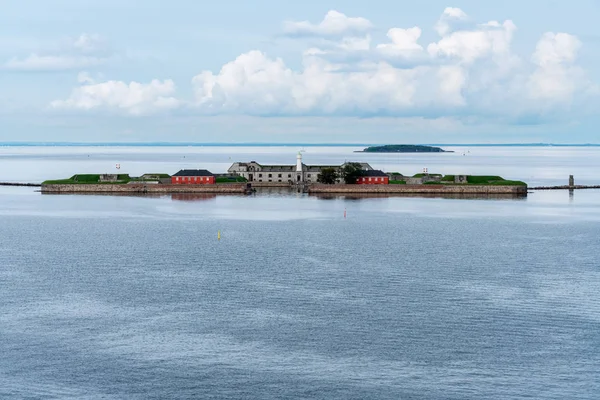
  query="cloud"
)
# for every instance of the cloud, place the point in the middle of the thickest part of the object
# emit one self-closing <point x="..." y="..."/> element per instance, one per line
<point x="471" y="72"/>
<point x="403" y="42"/>
<point x="85" y="51"/>
<point x="335" y="24"/>
<point x="90" y="43"/>
<point x="35" y="62"/>
<point x="450" y="16"/>
<point x="467" y="46"/>
<point x="130" y="98"/>
<point x="556" y="77"/>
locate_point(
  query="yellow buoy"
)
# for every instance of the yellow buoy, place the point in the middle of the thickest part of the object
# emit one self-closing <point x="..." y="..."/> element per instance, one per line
<point x="218" y="235"/>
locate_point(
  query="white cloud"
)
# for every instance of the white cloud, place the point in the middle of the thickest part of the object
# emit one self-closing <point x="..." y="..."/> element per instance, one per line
<point x="131" y="98"/>
<point x="449" y="16"/>
<point x="469" y="72"/>
<point x="468" y="46"/>
<point x="35" y="62"/>
<point x="257" y="84"/>
<point x="403" y="42"/>
<point x="88" y="43"/>
<point x="334" y="24"/>
<point x="556" y="77"/>
<point x="85" y="51"/>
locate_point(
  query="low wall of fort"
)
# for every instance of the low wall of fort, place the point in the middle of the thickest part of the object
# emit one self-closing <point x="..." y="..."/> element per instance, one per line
<point x="454" y="189"/>
<point x="141" y="188"/>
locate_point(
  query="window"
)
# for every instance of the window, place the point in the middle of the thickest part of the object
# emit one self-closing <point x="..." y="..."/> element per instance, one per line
<point x="280" y="179"/>
<point x="279" y="176"/>
<point x="289" y="175"/>
<point x="270" y="175"/>
<point x="260" y="176"/>
<point x="309" y="175"/>
<point x="369" y="179"/>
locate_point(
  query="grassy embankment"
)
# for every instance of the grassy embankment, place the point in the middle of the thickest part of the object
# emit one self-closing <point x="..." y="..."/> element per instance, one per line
<point x="237" y="179"/>
<point x="480" y="180"/>
<point x="88" y="179"/>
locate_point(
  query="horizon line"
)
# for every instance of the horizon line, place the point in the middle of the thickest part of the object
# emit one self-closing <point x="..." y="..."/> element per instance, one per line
<point x="274" y="144"/>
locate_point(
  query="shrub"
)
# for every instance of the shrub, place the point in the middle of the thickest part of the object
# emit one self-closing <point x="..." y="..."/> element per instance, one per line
<point x="397" y="182"/>
<point x="230" y="179"/>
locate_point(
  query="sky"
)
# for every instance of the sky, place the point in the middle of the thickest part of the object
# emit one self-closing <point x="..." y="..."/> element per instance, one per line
<point x="467" y="71"/>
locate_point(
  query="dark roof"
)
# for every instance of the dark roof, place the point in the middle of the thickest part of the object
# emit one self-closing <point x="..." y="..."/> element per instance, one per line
<point x="374" y="172"/>
<point x="194" y="172"/>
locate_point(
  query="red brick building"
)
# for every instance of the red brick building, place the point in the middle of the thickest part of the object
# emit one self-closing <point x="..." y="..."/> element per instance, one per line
<point x="373" y="177"/>
<point x="193" y="177"/>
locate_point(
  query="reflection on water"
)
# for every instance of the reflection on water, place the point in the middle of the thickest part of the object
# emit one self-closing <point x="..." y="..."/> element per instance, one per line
<point x="287" y="192"/>
<point x="458" y="196"/>
<point x="193" y="196"/>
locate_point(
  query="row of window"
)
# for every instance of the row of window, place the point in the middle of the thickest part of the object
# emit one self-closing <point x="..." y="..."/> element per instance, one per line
<point x="278" y="175"/>
<point x="192" y="179"/>
<point x="373" y="179"/>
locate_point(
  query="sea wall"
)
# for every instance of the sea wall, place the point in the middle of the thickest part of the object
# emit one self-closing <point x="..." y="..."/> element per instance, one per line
<point x="455" y="189"/>
<point x="144" y="188"/>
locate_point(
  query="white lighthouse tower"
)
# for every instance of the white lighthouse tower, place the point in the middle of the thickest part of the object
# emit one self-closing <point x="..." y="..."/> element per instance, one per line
<point x="299" y="177"/>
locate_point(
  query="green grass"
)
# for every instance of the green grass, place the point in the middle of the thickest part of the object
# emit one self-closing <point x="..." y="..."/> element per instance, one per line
<point x="507" y="183"/>
<point x="483" y="180"/>
<point x="160" y="176"/>
<point x="239" y="179"/>
<point x="397" y="182"/>
<point x="87" y="179"/>
<point x="422" y="175"/>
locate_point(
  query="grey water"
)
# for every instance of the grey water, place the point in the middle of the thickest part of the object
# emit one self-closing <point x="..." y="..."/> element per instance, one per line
<point x="135" y="297"/>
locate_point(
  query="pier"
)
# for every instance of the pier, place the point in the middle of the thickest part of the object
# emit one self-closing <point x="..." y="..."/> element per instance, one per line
<point x="20" y="184"/>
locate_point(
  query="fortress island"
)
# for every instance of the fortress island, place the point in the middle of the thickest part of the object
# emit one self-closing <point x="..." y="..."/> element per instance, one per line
<point x="246" y="177"/>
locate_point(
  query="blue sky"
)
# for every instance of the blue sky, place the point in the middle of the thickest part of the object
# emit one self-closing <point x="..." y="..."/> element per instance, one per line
<point x="310" y="71"/>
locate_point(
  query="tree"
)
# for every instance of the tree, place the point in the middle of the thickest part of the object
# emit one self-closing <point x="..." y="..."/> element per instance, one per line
<point x="351" y="172"/>
<point x="327" y="176"/>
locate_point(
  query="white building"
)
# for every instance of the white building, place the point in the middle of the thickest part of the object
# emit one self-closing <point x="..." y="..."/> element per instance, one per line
<point x="293" y="174"/>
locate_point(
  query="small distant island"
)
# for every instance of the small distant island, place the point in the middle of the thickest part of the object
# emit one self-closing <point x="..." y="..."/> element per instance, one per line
<point x="403" y="148"/>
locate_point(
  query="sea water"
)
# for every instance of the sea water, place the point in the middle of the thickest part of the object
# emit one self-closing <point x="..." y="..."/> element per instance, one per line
<point x="135" y="297"/>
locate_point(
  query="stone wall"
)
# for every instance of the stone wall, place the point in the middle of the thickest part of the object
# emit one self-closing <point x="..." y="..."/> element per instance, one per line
<point x="142" y="188"/>
<point x="467" y="189"/>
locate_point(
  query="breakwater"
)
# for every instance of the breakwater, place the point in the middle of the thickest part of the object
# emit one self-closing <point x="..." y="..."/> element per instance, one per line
<point x="440" y="189"/>
<point x="143" y="188"/>
<point x="20" y="184"/>
<point x="566" y="187"/>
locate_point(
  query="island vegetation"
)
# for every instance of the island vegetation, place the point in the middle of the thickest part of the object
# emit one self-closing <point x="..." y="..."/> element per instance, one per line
<point x="87" y="179"/>
<point x="403" y="148"/>
<point x="349" y="174"/>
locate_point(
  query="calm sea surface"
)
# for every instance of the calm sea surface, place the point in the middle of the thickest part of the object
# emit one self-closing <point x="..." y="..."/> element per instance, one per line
<point x="125" y="297"/>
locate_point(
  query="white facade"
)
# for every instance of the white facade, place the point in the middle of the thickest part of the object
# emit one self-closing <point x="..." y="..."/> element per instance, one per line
<point x="292" y="174"/>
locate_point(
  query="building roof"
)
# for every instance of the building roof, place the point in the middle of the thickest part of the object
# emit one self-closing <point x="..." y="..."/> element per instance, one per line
<point x="194" y="172"/>
<point x="375" y="172"/>
<point x="291" y="168"/>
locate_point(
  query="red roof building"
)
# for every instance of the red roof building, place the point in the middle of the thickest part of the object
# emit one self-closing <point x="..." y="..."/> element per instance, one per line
<point x="373" y="177"/>
<point x="193" y="177"/>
